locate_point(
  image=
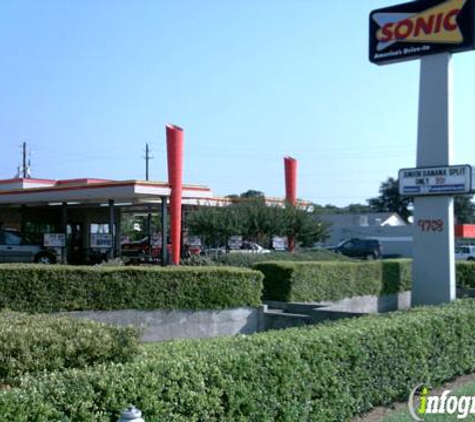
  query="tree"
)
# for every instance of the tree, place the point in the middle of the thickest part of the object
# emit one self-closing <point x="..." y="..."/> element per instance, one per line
<point x="357" y="208"/>
<point x="261" y="222"/>
<point x="252" y="194"/>
<point x="254" y="220"/>
<point x="390" y="200"/>
<point x="303" y="225"/>
<point x="134" y="227"/>
<point x="214" y="224"/>
<point x="332" y="209"/>
<point x="464" y="209"/>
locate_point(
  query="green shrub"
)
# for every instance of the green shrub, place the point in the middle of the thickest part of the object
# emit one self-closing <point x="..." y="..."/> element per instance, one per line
<point x="249" y="259"/>
<point x="197" y="261"/>
<point x="323" y="373"/>
<point x="34" y="343"/>
<point x="36" y="288"/>
<point x="397" y="275"/>
<point x="318" y="281"/>
<point x="465" y="272"/>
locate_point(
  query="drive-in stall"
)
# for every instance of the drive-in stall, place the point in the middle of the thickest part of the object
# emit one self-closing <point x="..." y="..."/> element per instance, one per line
<point x="81" y="218"/>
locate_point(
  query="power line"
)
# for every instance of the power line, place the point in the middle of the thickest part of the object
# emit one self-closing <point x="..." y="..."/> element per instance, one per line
<point x="248" y="153"/>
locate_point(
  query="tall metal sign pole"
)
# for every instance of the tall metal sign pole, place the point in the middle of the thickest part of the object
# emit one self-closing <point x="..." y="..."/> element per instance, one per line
<point x="433" y="268"/>
<point x="430" y="30"/>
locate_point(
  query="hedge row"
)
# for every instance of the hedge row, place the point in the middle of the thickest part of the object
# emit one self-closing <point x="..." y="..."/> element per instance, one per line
<point x="34" y="343"/>
<point x="249" y="259"/>
<point x="36" y="288"/>
<point x="323" y="373"/>
<point x="318" y="281"/>
<point x="465" y="272"/>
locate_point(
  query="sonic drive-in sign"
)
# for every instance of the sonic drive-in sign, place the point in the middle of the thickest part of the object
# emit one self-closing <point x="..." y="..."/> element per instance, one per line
<point x="419" y="28"/>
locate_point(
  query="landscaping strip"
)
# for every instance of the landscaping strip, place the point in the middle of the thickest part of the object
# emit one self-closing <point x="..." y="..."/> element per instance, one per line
<point x="36" y="343"/>
<point x="237" y="259"/>
<point x="320" y="281"/>
<point x="39" y="288"/>
<point x="323" y="373"/>
<point x="465" y="272"/>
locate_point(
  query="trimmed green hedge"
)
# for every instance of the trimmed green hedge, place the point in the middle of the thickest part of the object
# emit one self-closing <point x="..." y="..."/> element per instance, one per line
<point x="37" y="288"/>
<point x="318" y="281"/>
<point x="249" y="259"/>
<point x="465" y="272"/>
<point x="34" y="343"/>
<point x="323" y="373"/>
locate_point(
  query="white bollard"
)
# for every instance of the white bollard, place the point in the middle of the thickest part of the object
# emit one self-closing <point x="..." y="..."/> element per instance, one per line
<point x="131" y="414"/>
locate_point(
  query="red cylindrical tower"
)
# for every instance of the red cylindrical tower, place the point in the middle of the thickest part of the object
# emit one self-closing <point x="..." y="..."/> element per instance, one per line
<point x="175" y="137"/>
<point x="290" y="165"/>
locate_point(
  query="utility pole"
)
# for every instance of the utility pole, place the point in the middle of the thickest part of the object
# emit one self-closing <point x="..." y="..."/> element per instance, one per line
<point x="147" y="159"/>
<point x="24" y="170"/>
<point x="149" y="215"/>
<point x="24" y="160"/>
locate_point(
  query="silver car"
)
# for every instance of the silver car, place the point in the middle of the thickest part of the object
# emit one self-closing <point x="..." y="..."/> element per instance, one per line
<point x="250" y="247"/>
<point x="13" y="248"/>
<point x="465" y="253"/>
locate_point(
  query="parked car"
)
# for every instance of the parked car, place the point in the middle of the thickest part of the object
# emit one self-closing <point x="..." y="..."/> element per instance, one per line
<point x="246" y="247"/>
<point x="140" y="247"/>
<point x="213" y="252"/>
<point x="359" y="248"/>
<point x="250" y="247"/>
<point x="138" y="251"/>
<point x="15" y="248"/>
<point x="465" y="253"/>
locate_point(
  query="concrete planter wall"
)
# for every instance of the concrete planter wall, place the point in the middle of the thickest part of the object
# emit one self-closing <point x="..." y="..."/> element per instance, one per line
<point x="159" y="325"/>
<point x="280" y="315"/>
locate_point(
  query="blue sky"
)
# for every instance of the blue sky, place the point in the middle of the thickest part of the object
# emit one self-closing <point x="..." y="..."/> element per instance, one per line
<point x="87" y="83"/>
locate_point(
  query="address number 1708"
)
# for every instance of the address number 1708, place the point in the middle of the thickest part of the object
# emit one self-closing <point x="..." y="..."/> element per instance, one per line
<point x="429" y="225"/>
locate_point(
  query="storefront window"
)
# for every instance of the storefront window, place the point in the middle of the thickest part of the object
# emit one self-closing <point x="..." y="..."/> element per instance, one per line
<point x="99" y="228"/>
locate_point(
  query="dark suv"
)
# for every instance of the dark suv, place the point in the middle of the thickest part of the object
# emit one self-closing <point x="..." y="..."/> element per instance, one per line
<point x="14" y="248"/>
<point x="359" y="248"/>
